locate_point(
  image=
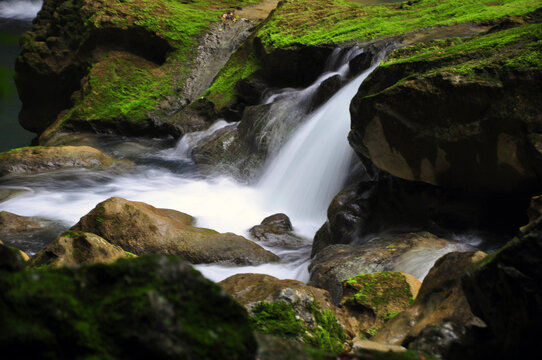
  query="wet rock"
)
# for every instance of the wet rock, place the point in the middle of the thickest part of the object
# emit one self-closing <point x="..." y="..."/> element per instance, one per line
<point x="276" y="230"/>
<point x="364" y="344"/>
<point x="30" y="234"/>
<point x="505" y="291"/>
<point x="412" y="253"/>
<point x="29" y="160"/>
<point x="149" y="307"/>
<point x="477" y="128"/>
<point x="73" y="248"/>
<point x="390" y="204"/>
<point x="325" y="91"/>
<point x="11" y="259"/>
<point x="440" y="314"/>
<point x="371" y="299"/>
<point x="289" y="309"/>
<point x="143" y="229"/>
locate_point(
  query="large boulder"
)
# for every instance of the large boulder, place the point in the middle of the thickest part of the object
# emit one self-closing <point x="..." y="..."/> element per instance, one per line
<point x="143" y="229"/>
<point x="505" y="291"/>
<point x="11" y="258"/>
<point x="288" y="309"/>
<point x="440" y="314"/>
<point x="412" y="253"/>
<point x="390" y="204"/>
<point x="276" y="230"/>
<point x="149" y="307"/>
<point x="475" y="124"/>
<point x="122" y="67"/>
<point x="33" y="159"/>
<point x="73" y="248"/>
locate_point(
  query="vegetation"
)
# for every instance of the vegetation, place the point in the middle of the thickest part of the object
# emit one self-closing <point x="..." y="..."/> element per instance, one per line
<point x="318" y="22"/>
<point x="279" y="318"/>
<point x="148" y="306"/>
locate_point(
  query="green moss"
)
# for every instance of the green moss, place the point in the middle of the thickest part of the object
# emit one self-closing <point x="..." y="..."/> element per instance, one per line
<point x="119" y="311"/>
<point x="516" y="48"/>
<point x="339" y="21"/>
<point x="241" y="65"/>
<point x="380" y="291"/>
<point x="279" y="318"/>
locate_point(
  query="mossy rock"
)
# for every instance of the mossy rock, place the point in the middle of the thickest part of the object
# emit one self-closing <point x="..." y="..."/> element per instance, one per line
<point x="289" y="309"/>
<point x="381" y="296"/>
<point x="121" y="66"/>
<point x="148" y="307"/>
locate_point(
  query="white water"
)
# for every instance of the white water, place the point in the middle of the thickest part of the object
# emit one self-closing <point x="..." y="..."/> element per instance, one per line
<point x="20" y="9"/>
<point x="311" y="168"/>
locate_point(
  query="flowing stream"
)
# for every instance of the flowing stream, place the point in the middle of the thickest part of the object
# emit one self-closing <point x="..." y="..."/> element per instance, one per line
<point x="300" y="181"/>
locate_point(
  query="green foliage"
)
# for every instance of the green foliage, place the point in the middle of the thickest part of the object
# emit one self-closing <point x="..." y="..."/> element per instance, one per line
<point x="328" y="334"/>
<point x="318" y="22"/>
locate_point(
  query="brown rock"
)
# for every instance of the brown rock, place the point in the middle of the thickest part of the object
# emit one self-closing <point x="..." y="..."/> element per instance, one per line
<point x="143" y="229"/>
<point x="441" y="299"/>
<point x="336" y="263"/>
<point x="276" y="230"/>
<point x="74" y="248"/>
<point x="29" y="160"/>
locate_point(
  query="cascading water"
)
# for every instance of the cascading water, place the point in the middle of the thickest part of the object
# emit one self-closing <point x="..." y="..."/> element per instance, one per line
<point x="312" y="167"/>
<point x="20" y="9"/>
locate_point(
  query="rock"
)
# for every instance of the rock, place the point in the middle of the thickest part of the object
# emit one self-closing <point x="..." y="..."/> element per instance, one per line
<point x="276" y="230"/>
<point x="325" y="91"/>
<point x="148" y="307"/>
<point x="272" y="347"/>
<point x="373" y="298"/>
<point x="143" y="229"/>
<point x="410" y="253"/>
<point x="30" y="160"/>
<point x="74" y="248"/>
<point x="11" y="259"/>
<point x="30" y="234"/>
<point x="440" y="314"/>
<point x="11" y="223"/>
<point x="389" y="204"/>
<point x="78" y="56"/>
<point x="364" y="344"/>
<point x="289" y="309"/>
<point x="476" y="126"/>
<point x="505" y="291"/>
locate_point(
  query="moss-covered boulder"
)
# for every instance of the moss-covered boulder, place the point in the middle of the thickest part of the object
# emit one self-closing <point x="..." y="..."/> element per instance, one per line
<point x="34" y="159"/>
<point x="376" y="297"/>
<point x="289" y="309"/>
<point x="336" y="263"/>
<point x="440" y="315"/>
<point x="143" y="229"/>
<point x="73" y="248"/>
<point x="122" y="66"/>
<point x="147" y="307"/>
<point x="470" y="104"/>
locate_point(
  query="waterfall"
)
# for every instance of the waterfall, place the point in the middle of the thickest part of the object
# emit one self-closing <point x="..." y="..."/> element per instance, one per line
<point x="20" y="9"/>
<point x="312" y="166"/>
